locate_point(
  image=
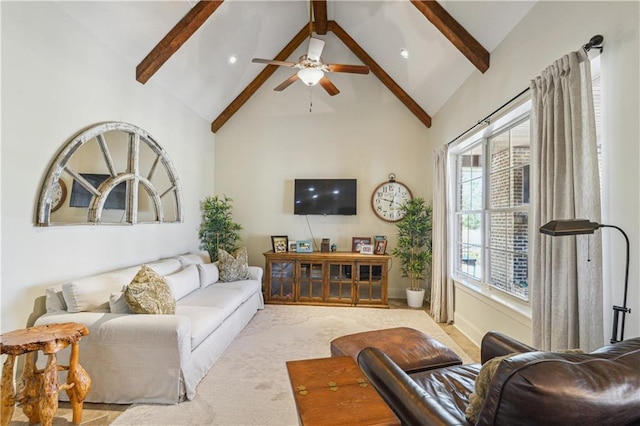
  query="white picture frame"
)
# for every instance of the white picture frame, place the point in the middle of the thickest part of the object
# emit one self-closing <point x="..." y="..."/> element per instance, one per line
<point x="366" y="249"/>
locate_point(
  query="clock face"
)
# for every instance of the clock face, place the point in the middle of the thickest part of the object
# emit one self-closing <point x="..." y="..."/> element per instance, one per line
<point x="387" y="199"/>
<point x="59" y="193"/>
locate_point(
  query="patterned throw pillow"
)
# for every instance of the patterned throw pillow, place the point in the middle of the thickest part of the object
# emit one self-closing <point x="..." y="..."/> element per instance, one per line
<point x="233" y="267"/>
<point x="477" y="397"/>
<point x="149" y="293"/>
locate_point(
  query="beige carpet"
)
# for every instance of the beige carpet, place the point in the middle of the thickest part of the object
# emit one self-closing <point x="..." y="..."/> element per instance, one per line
<point x="249" y="384"/>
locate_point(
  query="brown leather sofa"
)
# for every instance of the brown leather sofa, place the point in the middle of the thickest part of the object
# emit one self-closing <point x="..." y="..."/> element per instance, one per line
<point x="529" y="388"/>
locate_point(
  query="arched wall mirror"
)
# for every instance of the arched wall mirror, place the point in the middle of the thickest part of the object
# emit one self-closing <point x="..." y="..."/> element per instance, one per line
<point x="111" y="173"/>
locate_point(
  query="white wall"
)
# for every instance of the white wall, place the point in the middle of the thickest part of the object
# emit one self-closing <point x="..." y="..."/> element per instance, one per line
<point x="56" y="80"/>
<point x="550" y="30"/>
<point x="364" y="133"/>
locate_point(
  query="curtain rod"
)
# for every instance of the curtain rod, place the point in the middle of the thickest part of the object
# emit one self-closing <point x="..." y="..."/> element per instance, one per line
<point x="594" y="43"/>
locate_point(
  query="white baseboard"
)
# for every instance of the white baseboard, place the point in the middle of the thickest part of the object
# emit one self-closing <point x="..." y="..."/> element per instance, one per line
<point x="466" y="327"/>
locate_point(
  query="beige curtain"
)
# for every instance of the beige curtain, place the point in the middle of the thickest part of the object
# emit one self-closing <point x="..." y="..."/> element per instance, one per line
<point x="441" y="284"/>
<point x="566" y="272"/>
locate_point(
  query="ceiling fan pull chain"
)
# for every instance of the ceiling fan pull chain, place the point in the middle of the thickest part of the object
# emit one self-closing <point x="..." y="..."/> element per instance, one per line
<point x="310" y="98"/>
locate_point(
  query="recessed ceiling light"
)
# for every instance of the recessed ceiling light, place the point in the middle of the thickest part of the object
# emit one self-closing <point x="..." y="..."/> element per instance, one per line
<point x="404" y="53"/>
<point x="233" y="59"/>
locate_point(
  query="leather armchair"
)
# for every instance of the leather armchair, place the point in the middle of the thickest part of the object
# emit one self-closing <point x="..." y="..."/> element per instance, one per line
<point x="529" y="388"/>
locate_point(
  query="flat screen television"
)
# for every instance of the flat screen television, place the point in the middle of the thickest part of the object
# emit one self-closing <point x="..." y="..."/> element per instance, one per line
<point x="80" y="197"/>
<point x="325" y="196"/>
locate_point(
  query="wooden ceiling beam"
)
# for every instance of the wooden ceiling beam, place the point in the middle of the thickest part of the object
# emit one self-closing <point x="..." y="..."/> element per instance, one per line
<point x="175" y="38"/>
<point x="320" y="16"/>
<point x="264" y="75"/>
<point x="380" y="73"/>
<point x="454" y="32"/>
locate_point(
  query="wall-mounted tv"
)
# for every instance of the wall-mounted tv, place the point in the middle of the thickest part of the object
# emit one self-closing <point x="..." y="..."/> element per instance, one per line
<point x="80" y="197"/>
<point x="325" y="196"/>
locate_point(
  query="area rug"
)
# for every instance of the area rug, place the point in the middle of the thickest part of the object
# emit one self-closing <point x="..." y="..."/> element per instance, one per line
<point x="249" y="385"/>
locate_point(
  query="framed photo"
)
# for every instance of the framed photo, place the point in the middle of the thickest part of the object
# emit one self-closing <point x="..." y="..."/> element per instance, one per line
<point x="293" y="246"/>
<point x="380" y="247"/>
<point x="366" y="249"/>
<point x="304" y="246"/>
<point x="357" y="242"/>
<point x="279" y="243"/>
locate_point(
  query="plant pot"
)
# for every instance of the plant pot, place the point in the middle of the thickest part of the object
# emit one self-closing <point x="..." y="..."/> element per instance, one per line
<point x="415" y="298"/>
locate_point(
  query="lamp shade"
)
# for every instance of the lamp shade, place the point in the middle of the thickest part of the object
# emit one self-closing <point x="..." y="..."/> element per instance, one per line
<point x="558" y="228"/>
<point x="310" y="76"/>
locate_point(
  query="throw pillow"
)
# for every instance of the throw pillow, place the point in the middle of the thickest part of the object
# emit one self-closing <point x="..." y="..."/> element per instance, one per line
<point x="209" y="274"/>
<point x="118" y="304"/>
<point x="149" y="293"/>
<point x="233" y="267"/>
<point x="477" y="397"/>
<point x="183" y="282"/>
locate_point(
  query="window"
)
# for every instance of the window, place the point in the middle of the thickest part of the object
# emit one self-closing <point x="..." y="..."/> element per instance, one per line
<point x="492" y="193"/>
<point x="492" y="212"/>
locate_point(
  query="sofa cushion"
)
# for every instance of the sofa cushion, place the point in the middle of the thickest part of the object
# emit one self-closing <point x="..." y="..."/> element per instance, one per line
<point x="247" y="288"/>
<point x="215" y="296"/>
<point x="204" y="321"/>
<point x="149" y="293"/>
<point x="209" y="274"/>
<point x="194" y="258"/>
<point x="166" y="266"/>
<point x="54" y="300"/>
<point x="91" y="293"/>
<point x="233" y="267"/>
<point x="488" y="370"/>
<point x="118" y="304"/>
<point x="183" y="282"/>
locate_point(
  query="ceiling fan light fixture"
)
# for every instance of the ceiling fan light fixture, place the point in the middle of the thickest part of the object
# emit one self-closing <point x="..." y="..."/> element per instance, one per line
<point x="310" y="76"/>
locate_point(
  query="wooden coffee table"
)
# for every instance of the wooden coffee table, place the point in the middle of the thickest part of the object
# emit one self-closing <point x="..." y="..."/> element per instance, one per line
<point x="334" y="391"/>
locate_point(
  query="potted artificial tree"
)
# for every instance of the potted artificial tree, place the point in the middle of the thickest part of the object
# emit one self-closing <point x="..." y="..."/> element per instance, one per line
<point x="414" y="248"/>
<point x="218" y="230"/>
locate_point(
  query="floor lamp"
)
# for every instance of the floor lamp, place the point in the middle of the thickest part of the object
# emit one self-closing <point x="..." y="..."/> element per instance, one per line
<point x="558" y="228"/>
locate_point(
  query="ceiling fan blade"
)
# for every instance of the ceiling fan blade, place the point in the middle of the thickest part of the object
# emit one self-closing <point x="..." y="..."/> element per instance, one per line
<point x="327" y="85"/>
<point x="353" y="69"/>
<point x="315" y="49"/>
<point x="272" y="62"/>
<point x="288" y="82"/>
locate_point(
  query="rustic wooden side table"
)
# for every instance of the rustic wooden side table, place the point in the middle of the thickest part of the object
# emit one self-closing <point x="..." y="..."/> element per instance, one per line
<point x="334" y="391"/>
<point x="38" y="389"/>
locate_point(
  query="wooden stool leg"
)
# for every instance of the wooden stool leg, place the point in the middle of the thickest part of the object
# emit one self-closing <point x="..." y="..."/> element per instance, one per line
<point x="29" y="389"/>
<point x="8" y="392"/>
<point x="49" y="393"/>
<point x="80" y="384"/>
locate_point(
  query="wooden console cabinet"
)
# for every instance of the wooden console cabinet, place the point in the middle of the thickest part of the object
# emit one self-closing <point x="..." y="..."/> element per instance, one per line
<point x="326" y="278"/>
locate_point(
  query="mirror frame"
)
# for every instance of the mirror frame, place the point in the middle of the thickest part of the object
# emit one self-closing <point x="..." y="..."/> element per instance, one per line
<point x="131" y="177"/>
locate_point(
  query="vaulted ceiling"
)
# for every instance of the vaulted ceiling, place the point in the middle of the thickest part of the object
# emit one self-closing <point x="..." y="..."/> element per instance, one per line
<point x="185" y="45"/>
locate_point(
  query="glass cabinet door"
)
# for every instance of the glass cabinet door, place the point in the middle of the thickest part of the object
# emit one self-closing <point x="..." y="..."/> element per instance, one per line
<point x="310" y="277"/>
<point x="370" y="279"/>
<point x="340" y="287"/>
<point x="282" y="281"/>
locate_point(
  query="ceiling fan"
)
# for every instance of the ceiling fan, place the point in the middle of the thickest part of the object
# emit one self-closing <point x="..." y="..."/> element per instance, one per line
<point x="311" y="68"/>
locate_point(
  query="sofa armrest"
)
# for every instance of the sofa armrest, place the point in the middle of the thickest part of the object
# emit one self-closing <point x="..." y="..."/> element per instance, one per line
<point x="130" y="357"/>
<point x="405" y="397"/>
<point x="496" y="344"/>
<point x="256" y="273"/>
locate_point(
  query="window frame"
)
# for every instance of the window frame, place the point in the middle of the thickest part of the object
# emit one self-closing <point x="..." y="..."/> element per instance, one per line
<point x="513" y="117"/>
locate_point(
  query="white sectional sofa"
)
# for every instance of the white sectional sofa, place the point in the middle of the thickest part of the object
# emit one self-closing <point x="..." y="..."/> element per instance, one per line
<point x="133" y="358"/>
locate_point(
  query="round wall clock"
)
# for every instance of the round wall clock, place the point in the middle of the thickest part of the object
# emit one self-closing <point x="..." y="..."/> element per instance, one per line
<point x="58" y="196"/>
<point x="388" y="197"/>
